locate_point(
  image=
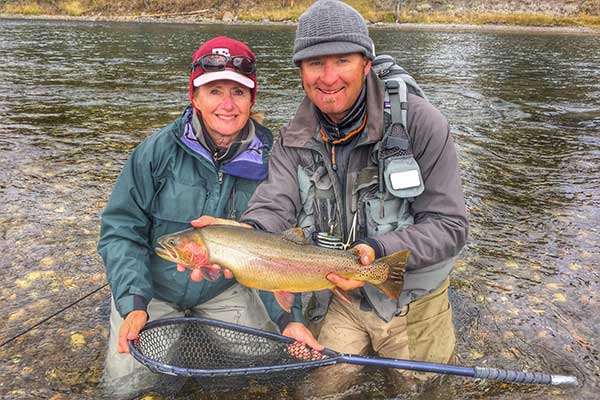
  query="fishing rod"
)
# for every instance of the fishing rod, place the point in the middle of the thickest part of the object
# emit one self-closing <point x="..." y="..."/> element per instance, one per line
<point x="52" y="316"/>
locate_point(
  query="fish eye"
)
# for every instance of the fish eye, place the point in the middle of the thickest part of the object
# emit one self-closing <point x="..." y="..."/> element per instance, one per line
<point x="171" y="242"/>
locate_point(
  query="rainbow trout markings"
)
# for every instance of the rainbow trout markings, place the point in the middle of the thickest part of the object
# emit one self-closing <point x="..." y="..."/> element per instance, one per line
<point x="279" y="263"/>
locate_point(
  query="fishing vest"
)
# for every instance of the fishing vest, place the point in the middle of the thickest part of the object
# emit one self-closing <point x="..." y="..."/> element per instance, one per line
<point x="381" y="197"/>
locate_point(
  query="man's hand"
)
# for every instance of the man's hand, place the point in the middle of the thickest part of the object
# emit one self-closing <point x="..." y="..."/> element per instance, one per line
<point x="297" y="330"/>
<point x="205" y="220"/>
<point x="130" y="328"/>
<point x="208" y="220"/>
<point x="366" y="255"/>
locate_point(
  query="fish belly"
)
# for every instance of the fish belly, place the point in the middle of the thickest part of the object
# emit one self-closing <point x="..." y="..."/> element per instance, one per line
<point x="271" y="275"/>
<point x="267" y="262"/>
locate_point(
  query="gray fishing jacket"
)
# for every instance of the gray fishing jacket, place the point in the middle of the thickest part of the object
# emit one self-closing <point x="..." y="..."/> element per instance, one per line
<point x="432" y="225"/>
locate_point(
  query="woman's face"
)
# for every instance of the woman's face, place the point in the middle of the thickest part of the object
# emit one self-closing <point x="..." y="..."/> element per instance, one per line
<point x="225" y="108"/>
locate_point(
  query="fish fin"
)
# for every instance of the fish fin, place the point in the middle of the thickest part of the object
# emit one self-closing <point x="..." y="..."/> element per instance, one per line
<point x="354" y="251"/>
<point x="391" y="288"/>
<point x="284" y="299"/>
<point x="341" y="294"/>
<point x="295" y="235"/>
<point x="396" y="263"/>
<point x="210" y="272"/>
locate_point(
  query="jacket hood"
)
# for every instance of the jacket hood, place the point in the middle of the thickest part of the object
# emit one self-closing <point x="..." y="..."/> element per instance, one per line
<point x="248" y="163"/>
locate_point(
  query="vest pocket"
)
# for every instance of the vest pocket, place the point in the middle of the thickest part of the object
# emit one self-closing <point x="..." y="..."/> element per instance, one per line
<point x="382" y="216"/>
<point x="319" y="206"/>
<point x="307" y="197"/>
<point x="403" y="177"/>
<point x="385" y="213"/>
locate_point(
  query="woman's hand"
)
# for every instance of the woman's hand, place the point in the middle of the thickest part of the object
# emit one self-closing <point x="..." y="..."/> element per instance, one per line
<point x="205" y="220"/>
<point x="130" y="328"/>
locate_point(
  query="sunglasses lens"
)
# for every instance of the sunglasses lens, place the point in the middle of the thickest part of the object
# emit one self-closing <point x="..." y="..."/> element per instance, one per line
<point x="218" y="62"/>
<point x="243" y="64"/>
<point x="214" y="62"/>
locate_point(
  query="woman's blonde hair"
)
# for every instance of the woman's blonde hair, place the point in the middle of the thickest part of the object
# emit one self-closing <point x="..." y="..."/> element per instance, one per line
<point x="257" y="116"/>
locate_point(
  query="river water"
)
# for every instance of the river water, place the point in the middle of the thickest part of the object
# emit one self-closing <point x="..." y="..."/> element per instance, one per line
<point x="76" y="97"/>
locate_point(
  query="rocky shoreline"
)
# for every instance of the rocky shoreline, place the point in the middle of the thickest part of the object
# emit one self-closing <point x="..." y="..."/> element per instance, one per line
<point x="232" y="21"/>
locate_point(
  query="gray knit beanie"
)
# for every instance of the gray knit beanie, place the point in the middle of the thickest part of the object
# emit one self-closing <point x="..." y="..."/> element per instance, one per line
<point x="331" y="27"/>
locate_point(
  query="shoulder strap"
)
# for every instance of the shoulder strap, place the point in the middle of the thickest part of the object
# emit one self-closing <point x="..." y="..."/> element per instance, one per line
<point x="397" y="83"/>
<point x="398" y="99"/>
<point x="395" y="141"/>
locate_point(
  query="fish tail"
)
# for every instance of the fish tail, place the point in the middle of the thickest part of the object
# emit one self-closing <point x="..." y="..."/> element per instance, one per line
<point x="396" y="263"/>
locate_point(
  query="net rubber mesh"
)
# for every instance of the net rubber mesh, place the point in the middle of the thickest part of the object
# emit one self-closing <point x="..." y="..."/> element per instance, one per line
<point x="210" y="350"/>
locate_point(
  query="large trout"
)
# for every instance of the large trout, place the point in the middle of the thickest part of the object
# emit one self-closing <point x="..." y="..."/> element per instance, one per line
<point x="283" y="264"/>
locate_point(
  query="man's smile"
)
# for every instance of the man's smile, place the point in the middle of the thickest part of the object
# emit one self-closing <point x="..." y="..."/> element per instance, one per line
<point x="331" y="91"/>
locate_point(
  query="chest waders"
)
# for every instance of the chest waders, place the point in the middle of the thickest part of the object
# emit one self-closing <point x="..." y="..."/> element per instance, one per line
<point x="381" y="197"/>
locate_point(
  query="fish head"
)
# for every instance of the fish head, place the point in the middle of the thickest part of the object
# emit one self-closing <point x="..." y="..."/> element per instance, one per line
<point x="185" y="247"/>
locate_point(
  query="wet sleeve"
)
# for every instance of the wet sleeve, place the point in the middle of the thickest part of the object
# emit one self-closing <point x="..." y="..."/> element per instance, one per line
<point x="124" y="236"/>
<point x="440" y="219"/>
<point x="275" y="204"/>
<point x="279" y="315"/>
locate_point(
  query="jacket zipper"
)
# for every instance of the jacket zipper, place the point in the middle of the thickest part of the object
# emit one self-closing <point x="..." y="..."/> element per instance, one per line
<point x="322" y="151"/>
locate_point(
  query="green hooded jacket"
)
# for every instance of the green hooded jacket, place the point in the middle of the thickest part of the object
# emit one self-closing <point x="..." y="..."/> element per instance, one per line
<point x="169" y="180"/>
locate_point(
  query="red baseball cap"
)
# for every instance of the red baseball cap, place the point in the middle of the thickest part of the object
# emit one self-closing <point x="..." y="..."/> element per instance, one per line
<point x="229" y="47"/>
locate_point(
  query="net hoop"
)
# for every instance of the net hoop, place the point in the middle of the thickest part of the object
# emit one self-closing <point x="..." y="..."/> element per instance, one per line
<point x="163" y="368"/>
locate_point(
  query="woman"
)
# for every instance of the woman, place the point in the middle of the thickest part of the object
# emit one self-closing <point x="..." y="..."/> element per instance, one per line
<point x="206" y="162"/>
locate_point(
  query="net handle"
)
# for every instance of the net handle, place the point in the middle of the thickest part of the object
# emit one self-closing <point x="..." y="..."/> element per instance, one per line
<point x="473" y="372"/>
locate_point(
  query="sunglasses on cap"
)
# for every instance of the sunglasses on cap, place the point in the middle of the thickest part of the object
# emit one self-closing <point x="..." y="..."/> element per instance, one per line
<point x="218" y="62"/>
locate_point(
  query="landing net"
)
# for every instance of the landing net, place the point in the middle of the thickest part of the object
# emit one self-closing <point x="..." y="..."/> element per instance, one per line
<point x="210" y="350"/>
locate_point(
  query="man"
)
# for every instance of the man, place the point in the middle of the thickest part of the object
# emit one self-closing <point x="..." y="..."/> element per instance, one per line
<point x="333" y="175"/>
<point x="345" y="173"/>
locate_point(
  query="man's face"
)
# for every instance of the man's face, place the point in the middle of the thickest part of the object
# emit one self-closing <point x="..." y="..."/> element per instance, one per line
<point x="333" y="83"/>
